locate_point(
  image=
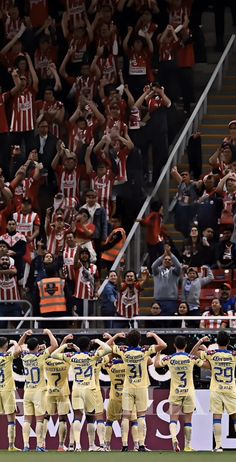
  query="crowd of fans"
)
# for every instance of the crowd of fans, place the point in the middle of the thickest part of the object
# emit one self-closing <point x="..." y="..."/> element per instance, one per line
<point x="88" y="92"/>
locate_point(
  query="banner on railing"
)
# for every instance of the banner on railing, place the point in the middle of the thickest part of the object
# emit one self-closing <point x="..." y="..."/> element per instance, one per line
<point x="158" y="434"/>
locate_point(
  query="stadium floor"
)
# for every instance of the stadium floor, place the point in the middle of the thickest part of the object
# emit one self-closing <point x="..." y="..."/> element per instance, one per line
<point x="117" y="456"/>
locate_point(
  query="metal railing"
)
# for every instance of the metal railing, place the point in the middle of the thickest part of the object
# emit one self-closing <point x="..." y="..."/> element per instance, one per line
<point x="134" y="320"/>
<point x="133" y="241"/>
<point x="23" y="318"/>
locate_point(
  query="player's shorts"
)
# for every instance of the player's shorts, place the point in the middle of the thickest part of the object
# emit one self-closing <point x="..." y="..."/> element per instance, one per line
<point x="83" y="399"/>
<point x="57" y="404"/>
<point x="114" y="410"/>
<point x="187" y="403"/>
<point x="135" y="398"/>
<point x="34" y="402"/>
<point x="7" y="402"/>
<point x="99" y="406"/>
<point x="220" y="402"/>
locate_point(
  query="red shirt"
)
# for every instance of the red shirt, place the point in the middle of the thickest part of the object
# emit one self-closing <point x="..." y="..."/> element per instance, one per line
<point x="38" y="12"/>
<point x="80" y="234"/>
<point x="153" y="223"/>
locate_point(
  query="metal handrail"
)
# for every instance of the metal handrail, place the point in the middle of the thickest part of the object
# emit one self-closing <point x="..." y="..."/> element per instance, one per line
<point x="134" y="320"/>
<point x="22" y="319"/>
<point x="174" y="157"/>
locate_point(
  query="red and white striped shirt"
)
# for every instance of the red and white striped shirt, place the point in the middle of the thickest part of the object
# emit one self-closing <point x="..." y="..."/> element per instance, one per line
<point x="68" y="182"/>
<point x="122" y="173"/>
<point x="68" y="260"/>
<point x="23" y="111"/>
<point x="79" y="137"/>
<point x="56" y="238"/>
<point x="25" y="223"/>
<point x="8" y="288"/>
<point x="128" y="300"/>
<point x="103" y="187"/>
<point x="211" y="323"/>
<point x="85" y="282"/>
<point x="75" y="9"/>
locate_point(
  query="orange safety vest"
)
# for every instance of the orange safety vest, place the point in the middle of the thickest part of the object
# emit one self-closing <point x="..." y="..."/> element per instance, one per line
<point x="52" y="297"/>
<point x="111" y="254"/>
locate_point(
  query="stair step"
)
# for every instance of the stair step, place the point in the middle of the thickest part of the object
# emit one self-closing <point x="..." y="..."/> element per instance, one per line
<point x="222" y="97"/>
<point x="212" y="136"/>
<point x="221" y="109"/>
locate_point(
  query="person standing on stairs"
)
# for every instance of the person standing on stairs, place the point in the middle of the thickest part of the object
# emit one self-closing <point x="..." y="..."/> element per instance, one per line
<point x="166" y="272"/>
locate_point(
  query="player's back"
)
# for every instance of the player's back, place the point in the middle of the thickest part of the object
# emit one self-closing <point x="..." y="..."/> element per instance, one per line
<point x="57" y="376"/>
<point x="135" y="361"/>
<point x="181" y="369"/>
<point x="7" y="382"/>
<point x="34" y="364"/>
<point x="223" y="369"/>
<point x="116" y="371"/>
<point x="83" y="364"/>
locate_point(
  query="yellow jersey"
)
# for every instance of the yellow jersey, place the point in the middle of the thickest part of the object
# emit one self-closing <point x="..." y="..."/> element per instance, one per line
<point x="97" y="370"/>
<point x="222" y="369"/>
<point x="83" y="365"/>
<point x="7" y="382"/>
<point x="116" y="371"/>
<point x="135" y="363"/>
<point x="181" y="370"/>
<point x="57" y="377"/>
<point x="34" y="364"/>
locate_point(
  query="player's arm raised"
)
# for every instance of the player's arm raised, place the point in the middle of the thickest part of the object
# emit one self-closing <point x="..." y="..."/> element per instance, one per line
<point x="23" y="338"/>
<point x="59" y="352"/>
<point x="53" y="340"/>
<point x="111" y="339"/>
<point x="197" y="348"/>
<point x="104" y="350"/>
<point x="15" y="348"/>
<point x="161" y="345"/>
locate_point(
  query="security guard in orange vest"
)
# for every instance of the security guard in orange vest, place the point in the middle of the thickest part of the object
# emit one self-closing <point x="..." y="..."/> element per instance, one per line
<point x="52" y="295"/>
<point x="114" y="243"/>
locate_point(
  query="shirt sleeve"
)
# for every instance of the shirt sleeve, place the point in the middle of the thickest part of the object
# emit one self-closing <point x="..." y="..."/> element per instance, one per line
<point x="151" y="350"/>
<point x="164" y="361"/>
<point x="116" y="350"/>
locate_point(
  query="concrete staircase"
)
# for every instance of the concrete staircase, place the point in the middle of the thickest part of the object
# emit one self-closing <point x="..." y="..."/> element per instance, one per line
<point x="214" y="127"/>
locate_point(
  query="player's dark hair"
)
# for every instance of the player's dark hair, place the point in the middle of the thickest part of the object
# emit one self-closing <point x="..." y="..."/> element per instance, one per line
<point x="133" y="338"/>
<point x="83" y="343"/>
<point x="3" y="341"/>
<point x="32" y="343"/>
<point x="180" y="342"/>
<point x="223" y="338"/>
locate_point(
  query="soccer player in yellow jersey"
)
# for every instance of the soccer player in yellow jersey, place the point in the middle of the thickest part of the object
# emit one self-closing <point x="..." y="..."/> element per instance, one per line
<point x="35" y="385"/>
<point x="223" y="389"/>
<point x="135" y="391"/>
<point x="182" y="392"/>
<point x="83" y="390"/>
<point x="57" y="395"/>
<point x="116" y="370"/>
<point x="7" y="388"/>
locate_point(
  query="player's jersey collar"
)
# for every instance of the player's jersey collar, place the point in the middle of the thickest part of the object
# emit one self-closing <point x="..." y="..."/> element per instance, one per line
<point x="180" y="353"/>
<point x="222" y="351"/>
<point x="135" y="349"/>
